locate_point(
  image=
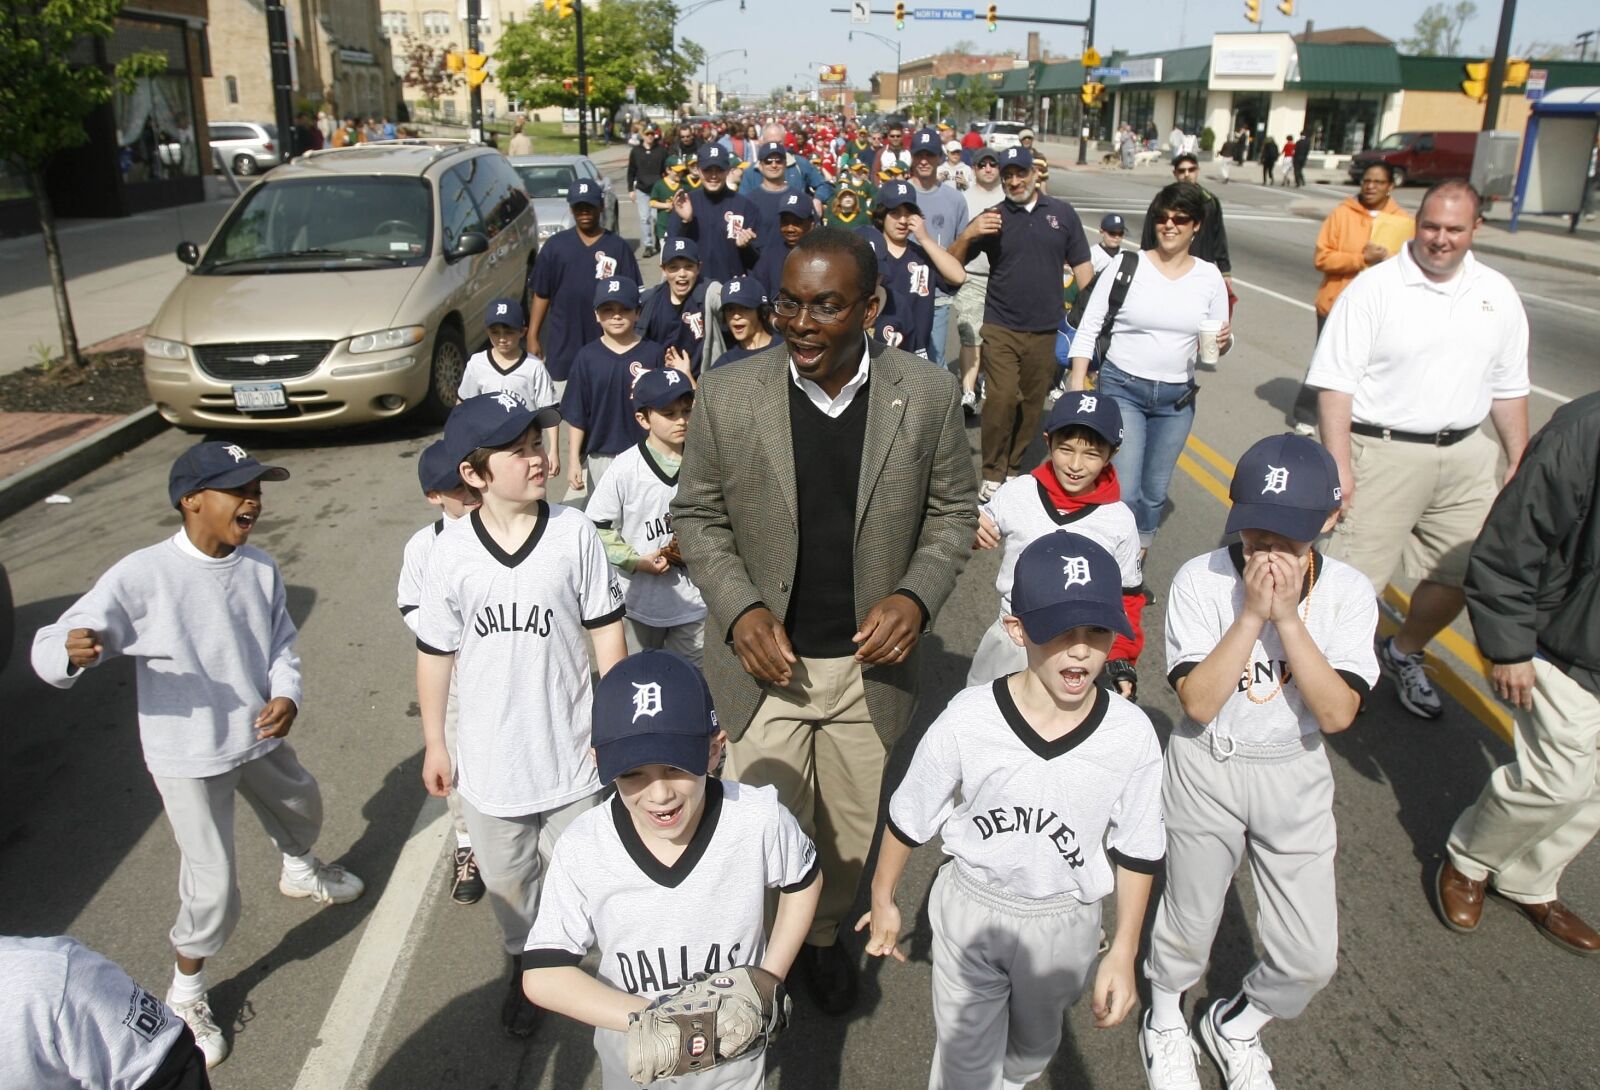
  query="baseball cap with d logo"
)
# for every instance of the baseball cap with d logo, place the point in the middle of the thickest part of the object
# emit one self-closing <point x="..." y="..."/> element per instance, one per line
<point x="1064" y="580"/>
<point x="652" y="708"/>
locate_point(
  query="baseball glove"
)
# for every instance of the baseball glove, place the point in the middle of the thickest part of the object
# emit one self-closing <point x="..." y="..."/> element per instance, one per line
<point x="710" y="1020"/>
<point x="670" y="553"/>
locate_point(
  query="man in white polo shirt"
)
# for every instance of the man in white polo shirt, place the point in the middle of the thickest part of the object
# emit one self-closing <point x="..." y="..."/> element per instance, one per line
<point x="1416" y="353"/>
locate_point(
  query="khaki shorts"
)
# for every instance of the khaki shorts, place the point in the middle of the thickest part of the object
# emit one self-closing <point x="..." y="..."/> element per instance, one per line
<point x="969" y="302"/>
<point x="1418" y="508"/>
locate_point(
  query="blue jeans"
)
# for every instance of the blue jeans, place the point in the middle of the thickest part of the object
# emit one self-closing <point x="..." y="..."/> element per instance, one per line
<point x="1153" y="433"/>
<point x="941" y="331"/>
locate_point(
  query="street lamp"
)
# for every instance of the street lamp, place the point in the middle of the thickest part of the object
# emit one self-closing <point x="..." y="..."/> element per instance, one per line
<point x="895" y="42"/>
<point x="745" y="53"/>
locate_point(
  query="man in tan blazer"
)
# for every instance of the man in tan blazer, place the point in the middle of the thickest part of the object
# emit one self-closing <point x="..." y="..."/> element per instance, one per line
<point x="826" y="504"/>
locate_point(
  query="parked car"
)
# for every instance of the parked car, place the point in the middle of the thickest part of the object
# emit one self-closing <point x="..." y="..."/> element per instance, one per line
<point x="1000" y="135"/>
<point x="547" y="178"/>
<point x="1420" y="156"/>
<point x="248" y="147"/>
<point x="345" y="286"/>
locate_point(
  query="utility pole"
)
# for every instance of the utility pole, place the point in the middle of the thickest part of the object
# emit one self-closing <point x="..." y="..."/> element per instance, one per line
<point x="583" y="81"/>
<point x="1497" y="67"/>
<point x="282" y="76"/>
<point x="1583" y="41"/>
<point x="475" y="95"/>
<point x="1083" y="130"/>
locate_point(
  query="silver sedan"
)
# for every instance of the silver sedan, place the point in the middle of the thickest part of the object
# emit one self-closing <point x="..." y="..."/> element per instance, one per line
<point x="547" y="178"/>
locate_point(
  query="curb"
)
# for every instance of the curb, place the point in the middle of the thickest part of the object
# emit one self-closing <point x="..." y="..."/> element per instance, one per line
<point x="28" y="486"/>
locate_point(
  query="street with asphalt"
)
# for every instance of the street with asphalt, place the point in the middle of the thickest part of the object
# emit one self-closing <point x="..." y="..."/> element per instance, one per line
<point x="402" y="988"/>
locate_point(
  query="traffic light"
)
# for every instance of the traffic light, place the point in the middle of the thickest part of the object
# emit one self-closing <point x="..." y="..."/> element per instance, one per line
<point x="477" y="70"/>
<point x="1516" y="73"/>
<point x="454" y="62"/>
<point x="1286" y="6"/>
<point x="1252" y="10"/>
<point x="562" y="8"/>
<point x="993" y="15"/>
<point x="1476" y="85"/>
<point x="1092" y="93"/>
<point x="900" y="15"/>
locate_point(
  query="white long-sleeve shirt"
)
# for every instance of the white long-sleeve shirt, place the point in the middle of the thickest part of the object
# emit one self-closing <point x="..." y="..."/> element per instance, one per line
<point x="1156" y="334"/>
<point x="211" y="641"/>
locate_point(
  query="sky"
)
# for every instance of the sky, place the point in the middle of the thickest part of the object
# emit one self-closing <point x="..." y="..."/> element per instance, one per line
<point x="787" y="38"/>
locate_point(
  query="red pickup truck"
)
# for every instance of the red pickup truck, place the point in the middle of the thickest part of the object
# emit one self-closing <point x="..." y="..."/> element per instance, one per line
<point x="1420" y="156"/>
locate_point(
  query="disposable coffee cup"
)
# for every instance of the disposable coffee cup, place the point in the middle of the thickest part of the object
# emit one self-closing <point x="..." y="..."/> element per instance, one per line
<point x="1209" y="329"/>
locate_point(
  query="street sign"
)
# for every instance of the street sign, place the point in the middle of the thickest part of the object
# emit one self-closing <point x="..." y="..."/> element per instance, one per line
<point x="1102" y="73"/>
<point x="1091" y="57"/>
<point x="1533" y="90"/>
<point x="861" y="11"/>
<point x="961" y="14"/>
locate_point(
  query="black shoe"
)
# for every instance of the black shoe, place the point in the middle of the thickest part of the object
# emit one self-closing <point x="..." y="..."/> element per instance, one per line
<point x="466" y="887"/>
<point x="518" y="1015"/>
<point x="830" y="976"/>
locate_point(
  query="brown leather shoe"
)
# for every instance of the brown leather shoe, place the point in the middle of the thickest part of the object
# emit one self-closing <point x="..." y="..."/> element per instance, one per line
<point x="1460" y="898"/>
<point x="1561" y="925"/>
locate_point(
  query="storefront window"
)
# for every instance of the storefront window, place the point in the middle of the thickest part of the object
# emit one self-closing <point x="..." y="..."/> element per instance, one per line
<point x="1138" y="107"/>
<point x="1190" y="110"/>
<point x="155" y="130"/>
<point x="1343" y="122"/>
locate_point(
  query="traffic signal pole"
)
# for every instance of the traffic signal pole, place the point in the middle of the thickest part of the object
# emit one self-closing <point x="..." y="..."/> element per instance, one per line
<point x="1497" y="67"/>
<point x="1083" y="129"/>
<point x="583" y="83"/>
<point x="283" y="78"/>
<point x="475" y="94"/>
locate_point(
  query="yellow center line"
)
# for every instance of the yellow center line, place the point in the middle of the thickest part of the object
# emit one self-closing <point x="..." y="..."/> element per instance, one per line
<point x="1484" y="708"/>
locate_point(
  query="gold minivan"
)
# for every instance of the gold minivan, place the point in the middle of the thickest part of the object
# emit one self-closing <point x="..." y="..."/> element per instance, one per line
<point x="343" y="287"/>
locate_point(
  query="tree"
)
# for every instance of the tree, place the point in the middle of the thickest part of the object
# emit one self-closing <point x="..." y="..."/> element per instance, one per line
<point x="730" y="103"/>
<point x="964" y="46"/>
<point x="425" y="68"/>
<point x="47" y="97"/>
<point x="626" y="43"/>
<point x="973" y="99"/>
<point x="1437" y="32"/>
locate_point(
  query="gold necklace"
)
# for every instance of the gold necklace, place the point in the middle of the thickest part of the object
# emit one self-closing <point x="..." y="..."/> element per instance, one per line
<point x="1305" y="614"/>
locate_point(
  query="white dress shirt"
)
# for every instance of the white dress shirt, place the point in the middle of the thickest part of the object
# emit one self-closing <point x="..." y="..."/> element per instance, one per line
<point x="835" y="406"/>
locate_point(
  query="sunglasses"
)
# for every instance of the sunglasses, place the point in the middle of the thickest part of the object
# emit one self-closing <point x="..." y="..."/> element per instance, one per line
<point x="1177" y="219"/>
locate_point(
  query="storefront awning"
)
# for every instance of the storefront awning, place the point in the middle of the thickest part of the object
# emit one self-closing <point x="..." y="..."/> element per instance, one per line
<point x="1060" y="78"/>
<point x="1323" y="67"/>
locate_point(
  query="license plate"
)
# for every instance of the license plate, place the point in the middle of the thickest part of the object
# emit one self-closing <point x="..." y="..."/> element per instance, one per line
<point x="260" y="396"/>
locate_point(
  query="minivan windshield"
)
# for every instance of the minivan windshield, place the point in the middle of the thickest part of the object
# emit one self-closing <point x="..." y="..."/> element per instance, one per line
<point x="1394" y="141"/>
<point x="546" y="179"/>
<point x="307" y="224"/>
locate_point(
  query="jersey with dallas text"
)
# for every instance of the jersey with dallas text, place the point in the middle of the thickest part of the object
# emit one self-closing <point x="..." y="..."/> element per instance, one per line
<point x="1022" y="512"/>
<point x="634" y="498"/>
<point x="565" y="273"/>
<point x="1036" y="818"/>
<point x="515" y="622"/>
<point x="1340" y="612"/>
<point x="527" y="378"/>
<point x="655" y="926"/>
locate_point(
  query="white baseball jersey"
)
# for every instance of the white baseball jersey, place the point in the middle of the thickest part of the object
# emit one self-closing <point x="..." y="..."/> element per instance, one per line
<point x="654" y="925"/>
<point x="69" y="1018"/>
<point x="515" y="623"/>
<point x="413" y="565"/>
<point x="635" y="499"/>
<point x="1039" y="819"/>
<point x="527" y="378"/>
<point x="1341" y="613"/>
<point x="1023" y="512"/>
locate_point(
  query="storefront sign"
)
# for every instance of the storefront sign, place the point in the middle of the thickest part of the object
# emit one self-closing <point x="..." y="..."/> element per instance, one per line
<point x="1144" y="70"/>
<point x="1244" y="62"/>
<point x="356" y="56"/>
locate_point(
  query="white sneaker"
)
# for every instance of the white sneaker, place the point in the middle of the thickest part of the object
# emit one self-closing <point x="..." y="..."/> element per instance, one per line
<point x="969" y="402"/>
<point x="1244" y="1064"/>
<point x="987" y="490"/>
<point x="1416" y="692"/>
<point x="327" y="884"/>
<point x="203" y="1024"/>
<point x="1169" y="1057"/>
<point x="1307" y="430"/>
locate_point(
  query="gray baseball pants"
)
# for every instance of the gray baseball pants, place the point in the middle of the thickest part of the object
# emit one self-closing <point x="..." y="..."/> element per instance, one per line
<point x="285" y="798"/>
<point x="513" y="854"/>
<point x="745" y="1073"/>
<point x="1005" y="970"/>
<point x="997" y="655"/>
<point x="687" y="640"/>
<point x="1274" y="805"/>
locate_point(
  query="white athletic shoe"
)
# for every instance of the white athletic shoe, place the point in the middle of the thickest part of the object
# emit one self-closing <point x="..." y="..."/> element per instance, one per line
<point x="1416" y="692"/>
<point x="987" y="490"/>
<point x="327" y="884"/>
<point x="969" y="402"/>
<point x="1244" y="1064"/>
<point x="203" y="1024"/>
<point x="1169" y="1057"/>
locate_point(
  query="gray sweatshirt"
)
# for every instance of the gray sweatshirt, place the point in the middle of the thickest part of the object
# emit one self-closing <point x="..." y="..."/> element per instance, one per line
<point x="212" y="643"/>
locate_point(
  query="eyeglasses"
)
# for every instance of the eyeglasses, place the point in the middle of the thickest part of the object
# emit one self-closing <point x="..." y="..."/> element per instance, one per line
<point x="1177" y="219"/>
<point x="822" y="313"/>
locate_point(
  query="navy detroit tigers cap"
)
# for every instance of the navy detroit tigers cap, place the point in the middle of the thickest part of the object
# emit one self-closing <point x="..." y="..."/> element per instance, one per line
<point x="797" y="204"/>
<point x="896" y="194"/>
<point x="436" y="470"/>
<point x="507" y="312"/>
<point x="217" y="465"/>
<point x="618" y="289"/>
<point x="1088" y="409"/>
<point x="1288" y="484"/>
<point x="1064" y="580"/>
<point x="1113" y="223"/>
<point x="712" y="155"/>
<point x="771" y="149"/>
<point x="675" y="249"/>
<point x="1016" y="157"/>
<point x="659" y="387"/>
<point x="652" y="708"/>
<point x="584" y="191"/>
<point x="492" y="420"/>
<point x="744" y="291"/>
<point x="927" y="140"/>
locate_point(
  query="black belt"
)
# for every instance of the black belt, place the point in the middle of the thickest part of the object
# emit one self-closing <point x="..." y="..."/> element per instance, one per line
<point x="1434" y="438"/>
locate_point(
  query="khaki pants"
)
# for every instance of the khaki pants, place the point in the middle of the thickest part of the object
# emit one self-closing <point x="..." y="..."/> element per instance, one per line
<point x="814" y="741"/>
<point x="1418" y="508"/>
<point x="1536" y="814"/>
<point x="1018" y="368"/>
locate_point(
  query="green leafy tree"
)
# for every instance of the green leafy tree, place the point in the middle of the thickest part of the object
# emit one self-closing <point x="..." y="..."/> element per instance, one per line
<point x="973" y="99"/>
<point x="45" y="98"/>
<point x="1437" y="32"/>
<point x="626" y="43"/>
<point x="730" y="103"/>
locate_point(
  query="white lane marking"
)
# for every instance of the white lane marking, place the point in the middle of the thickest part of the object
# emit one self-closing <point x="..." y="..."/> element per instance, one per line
<point x="1587" y="312"/>
<point x="365" y="1000"/>
<point x="1551" y="394"/>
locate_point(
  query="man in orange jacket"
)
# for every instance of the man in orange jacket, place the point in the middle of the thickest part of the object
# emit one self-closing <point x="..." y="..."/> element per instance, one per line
<point x="1362" y="231"/>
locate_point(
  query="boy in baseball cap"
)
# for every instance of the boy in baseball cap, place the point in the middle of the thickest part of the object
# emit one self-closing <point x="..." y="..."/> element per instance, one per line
<point x="911" y="266"/>
<point x="204" y="616"/>
<point x="672" y="314"/>
<point x="508" y="365"/>
<point x="724" y="223"/>
<point x="795" y="215"/>
<point x="669" y="878"/>
<point x="1113" y="228"/>
<point x="1076" y="485"/>
<point x="1046" y="792"/>
<point x="1269" y="646"/>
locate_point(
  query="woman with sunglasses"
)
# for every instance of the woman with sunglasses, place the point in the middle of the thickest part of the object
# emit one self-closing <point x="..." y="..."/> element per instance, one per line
<point x="1149" y="363"/>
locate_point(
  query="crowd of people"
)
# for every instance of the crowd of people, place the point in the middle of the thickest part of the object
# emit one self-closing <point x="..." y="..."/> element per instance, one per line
<point x="770" y="446"/>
